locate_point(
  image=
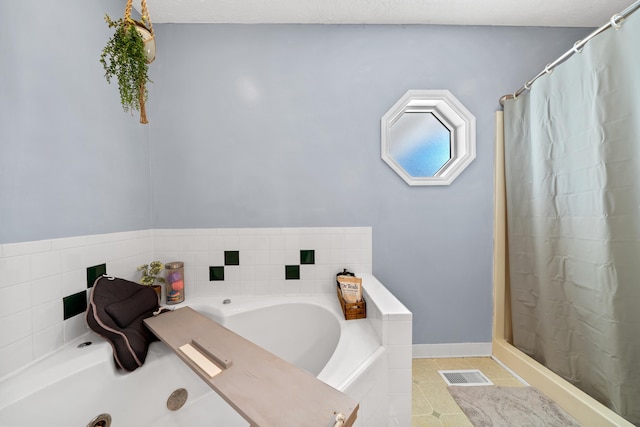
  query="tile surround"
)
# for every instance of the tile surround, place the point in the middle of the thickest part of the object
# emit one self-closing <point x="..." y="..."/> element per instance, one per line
<point x="39" y="275"/>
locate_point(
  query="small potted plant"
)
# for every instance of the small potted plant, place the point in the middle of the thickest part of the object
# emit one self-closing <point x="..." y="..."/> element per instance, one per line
<point x="126" y="57"/>
<point x="150" y="276"/>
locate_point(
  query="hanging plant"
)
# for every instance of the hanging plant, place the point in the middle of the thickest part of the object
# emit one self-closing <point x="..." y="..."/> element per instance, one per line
<point x="127" y="56"/>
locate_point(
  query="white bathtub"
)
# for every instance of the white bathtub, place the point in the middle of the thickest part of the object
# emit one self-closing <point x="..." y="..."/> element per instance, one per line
<point x="74" y="385"/>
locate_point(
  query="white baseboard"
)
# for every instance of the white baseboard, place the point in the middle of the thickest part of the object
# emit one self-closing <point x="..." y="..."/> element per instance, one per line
<point x="474" y="349"/>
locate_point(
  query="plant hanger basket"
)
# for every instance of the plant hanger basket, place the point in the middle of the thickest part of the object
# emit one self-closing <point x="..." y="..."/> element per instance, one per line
<point x="127" y="55"/>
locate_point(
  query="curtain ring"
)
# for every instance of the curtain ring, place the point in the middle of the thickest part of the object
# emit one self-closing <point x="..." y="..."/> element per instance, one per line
<point x="615" y="23"/>
<point x="548" y="69"/>
<point x="575" y="47"/>
<point x="527" y="85"/>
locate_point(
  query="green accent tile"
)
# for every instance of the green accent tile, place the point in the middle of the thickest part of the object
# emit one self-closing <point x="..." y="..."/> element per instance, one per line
<point x="292" y="272"/>
<point x="74" y="304"/>
<point x="216" y="274"/>
<point x="94" y="272"/>
<point x="231" y="257"/>
<point x="307" y="256"/>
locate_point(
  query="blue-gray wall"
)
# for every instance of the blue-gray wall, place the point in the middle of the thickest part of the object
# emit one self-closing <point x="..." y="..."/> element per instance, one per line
<point x="71" y="161"/>
<point x="273" y="125"/>
<point x="261" y="126"/>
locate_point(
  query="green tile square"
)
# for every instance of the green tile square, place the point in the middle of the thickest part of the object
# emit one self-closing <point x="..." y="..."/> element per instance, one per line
<point x="216" y="274"/>
<point x="74" y="304"/>
<point x="94" y="272"/>
<point x="231" y="257"/>
<point x="292" y="272"/>
<point x="307" y="256"/>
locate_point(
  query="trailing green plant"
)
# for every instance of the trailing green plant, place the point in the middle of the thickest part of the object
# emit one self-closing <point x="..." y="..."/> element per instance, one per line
<point x="150" y="273"/>
<point x="124" y="58"/>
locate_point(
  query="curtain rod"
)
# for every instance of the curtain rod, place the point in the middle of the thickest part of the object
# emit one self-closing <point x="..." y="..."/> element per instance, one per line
<point x="615" y="21"/>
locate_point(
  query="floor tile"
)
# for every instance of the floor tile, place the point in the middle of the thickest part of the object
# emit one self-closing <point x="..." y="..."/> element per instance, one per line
<point x="425" y="370"/>
<point x="490" y="368"/>
<point x="437" y="394"/>
<point x="432" y="405"/>
<point x="453" y="363"/>
<point x="455" y="420"/>
<point x="425" y="421"/>
<point x="419" y="403"/>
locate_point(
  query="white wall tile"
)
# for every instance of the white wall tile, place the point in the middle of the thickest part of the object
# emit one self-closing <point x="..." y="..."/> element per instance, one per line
<point x="276" y="242"/>
<point x="399" y="332"/>
<point x="74" y="327"/>
<point x="307" y="272"/>
<point x="246" y="242"/>
<point x="186" y="243"/>
<point x="47" y="315"/>
<point x="400" y="356"/>
<point x="15" y="327"/>
<point x="73" y="282"/>
<point x="247" y="257"/>
<point x="15" y="269"/>
<point x="48" y="340"/>
<point x="15" y="298"/>
<point x="95" y="255"/>
<point x="247" y="273"/>
<point x="262" y="257"/>
<point x="231" y="243"/>
<point x="72" y="259"/>
<point x="216" y="258"/>
<point x="399" y="380"/>
<point x="26" y="248"/>
<point x="216" y="243"/>
<point x="113" y="251"/>
<point x="15" y="355"/>
<point x="46" y="290"/>
<point x="232" y="273"/>
<point x="292" y="256"/>
<point x="277" y="257"/>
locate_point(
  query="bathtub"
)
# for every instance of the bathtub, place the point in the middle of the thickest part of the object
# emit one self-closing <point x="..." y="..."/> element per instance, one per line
<point x="76" y="384"/>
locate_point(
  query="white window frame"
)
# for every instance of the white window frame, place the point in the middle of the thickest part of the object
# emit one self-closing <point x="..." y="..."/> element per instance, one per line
<point x="450" y="111"/>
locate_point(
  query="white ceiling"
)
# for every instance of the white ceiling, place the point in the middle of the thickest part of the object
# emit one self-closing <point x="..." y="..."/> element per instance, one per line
<point x="564" y="13"/>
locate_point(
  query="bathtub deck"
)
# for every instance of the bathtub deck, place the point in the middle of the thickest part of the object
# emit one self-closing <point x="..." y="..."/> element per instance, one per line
<point x="266" y="390"/>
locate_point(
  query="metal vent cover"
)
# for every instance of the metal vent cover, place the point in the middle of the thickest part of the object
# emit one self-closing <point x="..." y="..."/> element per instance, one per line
<point x="467" y="377"/>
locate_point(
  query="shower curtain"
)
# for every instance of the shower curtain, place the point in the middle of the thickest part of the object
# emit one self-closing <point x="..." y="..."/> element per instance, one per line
<point x="572" y="162"/>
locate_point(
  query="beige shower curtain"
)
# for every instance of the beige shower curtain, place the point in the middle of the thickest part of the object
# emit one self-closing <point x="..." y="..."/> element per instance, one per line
<point x="572" y="163"/>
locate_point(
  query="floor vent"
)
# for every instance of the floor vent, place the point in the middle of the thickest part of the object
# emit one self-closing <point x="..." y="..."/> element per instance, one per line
<point x="465" y="377"/>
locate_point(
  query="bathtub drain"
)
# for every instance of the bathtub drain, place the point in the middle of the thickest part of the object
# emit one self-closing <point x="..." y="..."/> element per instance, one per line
<point x="102" y="420"/>
<point x="177" y="399"/>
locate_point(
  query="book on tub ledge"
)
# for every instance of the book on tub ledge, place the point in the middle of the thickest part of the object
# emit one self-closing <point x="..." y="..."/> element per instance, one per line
<point x="349" y="290"/>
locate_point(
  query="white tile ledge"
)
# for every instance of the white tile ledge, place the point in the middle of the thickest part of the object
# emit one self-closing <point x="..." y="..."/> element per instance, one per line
<point x="390" y="307"/>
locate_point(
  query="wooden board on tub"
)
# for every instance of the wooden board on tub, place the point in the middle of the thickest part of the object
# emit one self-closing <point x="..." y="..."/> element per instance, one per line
<point x="265" y="389"/>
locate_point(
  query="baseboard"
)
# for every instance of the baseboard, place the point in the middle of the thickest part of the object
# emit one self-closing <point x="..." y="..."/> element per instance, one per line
<point x="432" y="351"/>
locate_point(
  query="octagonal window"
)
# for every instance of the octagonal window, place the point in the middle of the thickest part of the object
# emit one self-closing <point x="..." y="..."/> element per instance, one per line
<point x="428" y="137"/>
<point x="420" y="143"/>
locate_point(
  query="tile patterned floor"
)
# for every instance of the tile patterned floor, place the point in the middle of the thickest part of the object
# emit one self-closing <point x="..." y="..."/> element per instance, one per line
<point x="432" y="405"/>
